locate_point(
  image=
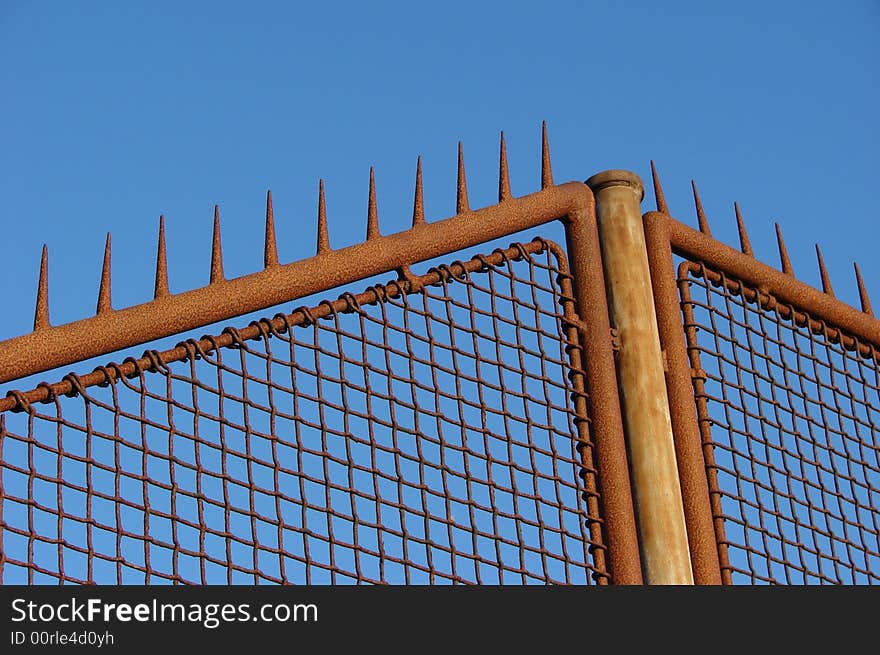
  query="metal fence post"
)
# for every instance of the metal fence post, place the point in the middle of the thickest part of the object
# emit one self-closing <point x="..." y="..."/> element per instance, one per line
<point x="656" y="487"/>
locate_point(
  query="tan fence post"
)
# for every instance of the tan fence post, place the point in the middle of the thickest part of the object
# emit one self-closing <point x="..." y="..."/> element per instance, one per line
<point x="656" y="487"/>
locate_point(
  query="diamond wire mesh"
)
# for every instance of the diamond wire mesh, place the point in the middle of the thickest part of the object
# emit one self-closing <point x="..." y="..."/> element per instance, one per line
<point x="384" y="437"/>
<point x="794" y="432"/>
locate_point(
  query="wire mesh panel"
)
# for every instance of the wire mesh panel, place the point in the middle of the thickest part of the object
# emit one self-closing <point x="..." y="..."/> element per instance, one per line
<point x="790" y="417"/>
<point x="388" y="437"/>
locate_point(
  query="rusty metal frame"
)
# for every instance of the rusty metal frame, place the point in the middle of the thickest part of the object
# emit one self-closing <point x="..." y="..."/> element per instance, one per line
<point x="325" y="316"/>
<point x="49" y="347"/>
<point x="854" y="329"/>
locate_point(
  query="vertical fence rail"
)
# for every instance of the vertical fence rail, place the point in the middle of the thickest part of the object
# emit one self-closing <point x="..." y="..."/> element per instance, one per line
<point x="773" y="387"/>
<point x="704" y="532"/>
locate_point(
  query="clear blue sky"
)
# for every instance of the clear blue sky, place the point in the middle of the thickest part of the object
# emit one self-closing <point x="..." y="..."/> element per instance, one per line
<point x="113" y="113"/>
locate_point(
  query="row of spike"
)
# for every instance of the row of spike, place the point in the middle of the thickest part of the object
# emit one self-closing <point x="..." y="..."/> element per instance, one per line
<point x="746" y="246"/>
<point x="270" y="256"/>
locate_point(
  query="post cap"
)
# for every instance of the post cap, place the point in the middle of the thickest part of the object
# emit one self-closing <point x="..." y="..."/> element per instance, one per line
<point x="617" y="177"/>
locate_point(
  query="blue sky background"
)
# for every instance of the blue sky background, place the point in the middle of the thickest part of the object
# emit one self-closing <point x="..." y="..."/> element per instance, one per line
<point x="113" y="113"/>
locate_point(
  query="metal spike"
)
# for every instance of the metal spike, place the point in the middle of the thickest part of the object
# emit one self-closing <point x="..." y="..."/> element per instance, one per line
<point x="216" y="250"/>
<point x="461" y="200"/>
<point x="823" y="273"/>
<point x="744" y="243"/>
<point x="863" y="293"/>
<point x="104" y="302"/>
<point x="323" y="234"/>
<point x="41" y="316"/>
<point x="783" y="252"/>
<point x="372" y="211"/>
<point x="701" y="215"/>
<point x="503" y="174"/>
<point x="271" y="250"/>
<point x="546" y="170"/>
<point x="419" y="199"/>
<point x="658" y="190"/>
<point x="161" y="289"/>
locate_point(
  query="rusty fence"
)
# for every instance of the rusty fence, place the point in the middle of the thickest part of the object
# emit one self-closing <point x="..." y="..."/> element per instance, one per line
<point x="632" y="402"/>
<point x="775" y="392"/>
<point x="381" y="437"/>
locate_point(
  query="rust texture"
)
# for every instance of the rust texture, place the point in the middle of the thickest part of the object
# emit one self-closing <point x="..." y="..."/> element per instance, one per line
<point x="461" y="195"/>
<point x="462" y="425"/>
<point x="774" y="388"/>
<point x="744" y="243"/>
<point x="702" y="540"/>
<point x="546" y="168"/>
<point x="41" y="315"/>
<point x="311" y="447"/>
<point x="657" y="494"/>
<point x="784" y="260"/>
<point x="823" y="273"/>
<point x="161" y="288"/>
<point x="701" y="215"/>
<point x="105" y="303"/>
<point x="863" y="293"/>
<point x="606" y="419"/>
<point x="111" y="330"/>
<point x="216" y="250"/>
<point x="538" y="384"/>
<point x="503" y="173"/>
<point x="418" y="217"/>
<point x="794" y="433"/>
<point x="270" y="249"/>
<point x="858" y="328"/>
